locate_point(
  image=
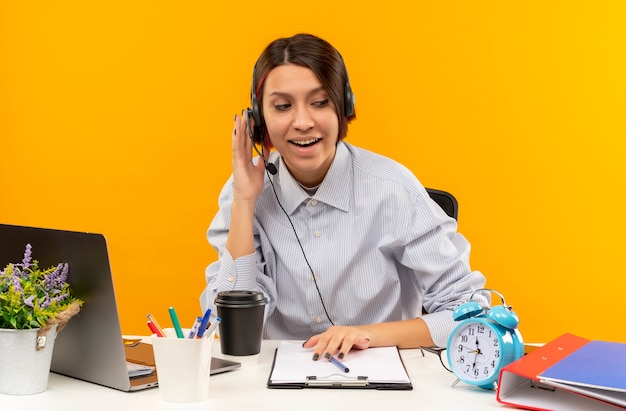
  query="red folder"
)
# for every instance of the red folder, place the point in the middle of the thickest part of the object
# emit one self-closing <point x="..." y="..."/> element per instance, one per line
<point x="569" y="373"/>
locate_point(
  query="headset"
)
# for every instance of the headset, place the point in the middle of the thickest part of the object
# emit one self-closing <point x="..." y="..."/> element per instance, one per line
<point x="259" y="122"/>
<point x="270" y="167"/>
<point x="256" y="135"/>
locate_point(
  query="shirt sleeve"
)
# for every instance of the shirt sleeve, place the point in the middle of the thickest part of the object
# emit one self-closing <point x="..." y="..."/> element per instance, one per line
<point x="228" y="274"/>
<point x="440" y="324"/>
<point x="439" y="255"/>
<point x="225" y="274"/>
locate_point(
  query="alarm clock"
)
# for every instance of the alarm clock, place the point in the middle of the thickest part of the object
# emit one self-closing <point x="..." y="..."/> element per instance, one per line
<point x="485" y="340"/>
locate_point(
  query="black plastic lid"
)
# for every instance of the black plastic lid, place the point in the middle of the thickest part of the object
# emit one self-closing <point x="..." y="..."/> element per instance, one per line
<point x="240" y="298"/>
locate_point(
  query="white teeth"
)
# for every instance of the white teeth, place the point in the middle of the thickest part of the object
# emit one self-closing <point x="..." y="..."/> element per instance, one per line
<point x="305" y="142"/>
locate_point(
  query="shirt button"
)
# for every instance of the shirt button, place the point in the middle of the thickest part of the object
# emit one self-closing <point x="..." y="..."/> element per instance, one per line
<point x="318" y="233"/>
<point x="314" y="202"/>
<point x="318" y="319"/>
<point x="231" y="278"/>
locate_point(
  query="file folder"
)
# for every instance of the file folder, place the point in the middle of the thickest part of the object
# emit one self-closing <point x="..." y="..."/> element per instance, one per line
<point x="569" y="373"/>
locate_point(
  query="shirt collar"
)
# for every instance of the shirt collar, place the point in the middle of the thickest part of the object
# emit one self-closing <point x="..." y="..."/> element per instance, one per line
<point x="334" y="190"/>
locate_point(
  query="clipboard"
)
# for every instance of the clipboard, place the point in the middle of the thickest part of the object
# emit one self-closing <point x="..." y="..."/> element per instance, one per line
<point x="378" y="368"/>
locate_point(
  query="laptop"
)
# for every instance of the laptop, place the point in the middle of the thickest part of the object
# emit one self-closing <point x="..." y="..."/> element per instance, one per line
<point x="90" y="347"/>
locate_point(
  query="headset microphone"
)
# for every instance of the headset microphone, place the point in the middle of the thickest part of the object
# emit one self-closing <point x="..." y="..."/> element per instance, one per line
<point x="270" y="167"/>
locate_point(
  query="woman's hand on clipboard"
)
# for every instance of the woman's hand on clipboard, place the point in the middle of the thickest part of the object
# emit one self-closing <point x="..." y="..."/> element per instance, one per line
<point x="337" y="341"/>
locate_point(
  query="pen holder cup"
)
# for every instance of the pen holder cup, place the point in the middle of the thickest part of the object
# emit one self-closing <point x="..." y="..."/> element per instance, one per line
<point x="241" y="328"/>
<point x="183" y="366"/>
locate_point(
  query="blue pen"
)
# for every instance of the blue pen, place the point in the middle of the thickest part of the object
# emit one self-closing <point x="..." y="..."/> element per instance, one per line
<point x="194" y="328"/>
<point x="204" y="323"/>
<point x="339" y="364"/>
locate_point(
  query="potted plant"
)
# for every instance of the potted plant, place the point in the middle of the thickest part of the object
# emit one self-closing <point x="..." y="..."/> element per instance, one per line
<point x="35" y="304"/>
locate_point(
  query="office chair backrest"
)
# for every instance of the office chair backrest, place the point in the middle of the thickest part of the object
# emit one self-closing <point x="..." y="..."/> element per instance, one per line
<point x="446" y="201"/>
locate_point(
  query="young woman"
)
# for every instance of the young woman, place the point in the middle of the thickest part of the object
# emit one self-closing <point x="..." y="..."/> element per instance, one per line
<point x="346" y="244"/>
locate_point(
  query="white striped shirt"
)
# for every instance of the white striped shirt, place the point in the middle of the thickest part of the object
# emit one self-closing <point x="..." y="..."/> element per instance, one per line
<point x="379" y="247"/>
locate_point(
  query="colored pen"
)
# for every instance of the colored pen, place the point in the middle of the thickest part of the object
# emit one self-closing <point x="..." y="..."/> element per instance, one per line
<point x="213" y="325"/>
<point x="194" y="328"/>
<point x="176" y="323"/>
<point x="156" y="324"/>
<point x="154" y="329"/>
<point x="339" y="364"/>
<point x="204" y="323"/>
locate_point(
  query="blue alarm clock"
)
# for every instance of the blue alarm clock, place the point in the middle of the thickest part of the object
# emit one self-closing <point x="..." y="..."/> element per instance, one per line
<point x="485" y="340"/>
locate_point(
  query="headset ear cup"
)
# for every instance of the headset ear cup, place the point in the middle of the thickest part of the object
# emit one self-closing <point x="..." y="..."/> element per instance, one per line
<point x="256" y="112"/>
<point x="467" y="310"/>
<point x="259" y="124"/>
<point x="348" y="95"/>
<point x="348" y="101"/>
<point x="503" y="316"/>
<point x="258" y="120"/>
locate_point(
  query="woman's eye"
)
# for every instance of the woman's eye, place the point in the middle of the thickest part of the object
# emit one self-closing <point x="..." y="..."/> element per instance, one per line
<point x="282" y="107"/>
<point x="321" y="103"/>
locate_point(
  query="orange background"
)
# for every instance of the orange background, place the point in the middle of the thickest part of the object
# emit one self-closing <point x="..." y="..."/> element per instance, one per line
<point x="115" y="117"/>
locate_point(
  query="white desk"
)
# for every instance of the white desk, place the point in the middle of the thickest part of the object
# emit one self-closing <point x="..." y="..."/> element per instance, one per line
<point x="245" y="389"/>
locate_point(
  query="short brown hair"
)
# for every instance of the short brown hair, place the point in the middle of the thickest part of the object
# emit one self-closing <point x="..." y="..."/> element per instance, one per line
<point x="316" y="54"/>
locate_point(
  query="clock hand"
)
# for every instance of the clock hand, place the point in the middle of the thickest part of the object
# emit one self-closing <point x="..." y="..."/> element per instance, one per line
<point x="467" y="348"/>
<point x="476" y="351"/>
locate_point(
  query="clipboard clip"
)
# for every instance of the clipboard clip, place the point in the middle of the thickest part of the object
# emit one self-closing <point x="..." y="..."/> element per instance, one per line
<point x="313" y="381"/>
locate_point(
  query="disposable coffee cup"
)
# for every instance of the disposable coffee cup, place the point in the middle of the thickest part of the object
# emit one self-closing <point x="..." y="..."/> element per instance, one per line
<point x="183" y="366"/>
<point x="241" y="328"/>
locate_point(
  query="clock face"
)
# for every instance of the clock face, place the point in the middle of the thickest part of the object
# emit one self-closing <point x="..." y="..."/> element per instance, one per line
<point x="475" y="352"/>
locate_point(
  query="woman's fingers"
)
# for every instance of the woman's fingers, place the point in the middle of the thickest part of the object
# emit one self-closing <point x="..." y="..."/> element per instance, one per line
<point x="337" y="342"/>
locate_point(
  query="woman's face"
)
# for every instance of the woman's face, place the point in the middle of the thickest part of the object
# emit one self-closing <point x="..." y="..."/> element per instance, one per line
<point x="301" y="122"/>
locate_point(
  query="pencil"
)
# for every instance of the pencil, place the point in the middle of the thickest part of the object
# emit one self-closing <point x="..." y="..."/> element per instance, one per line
<point x="156" y="324"/>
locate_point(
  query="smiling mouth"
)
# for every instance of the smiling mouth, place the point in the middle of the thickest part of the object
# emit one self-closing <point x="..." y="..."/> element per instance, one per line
<point x="305" y="143"/>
